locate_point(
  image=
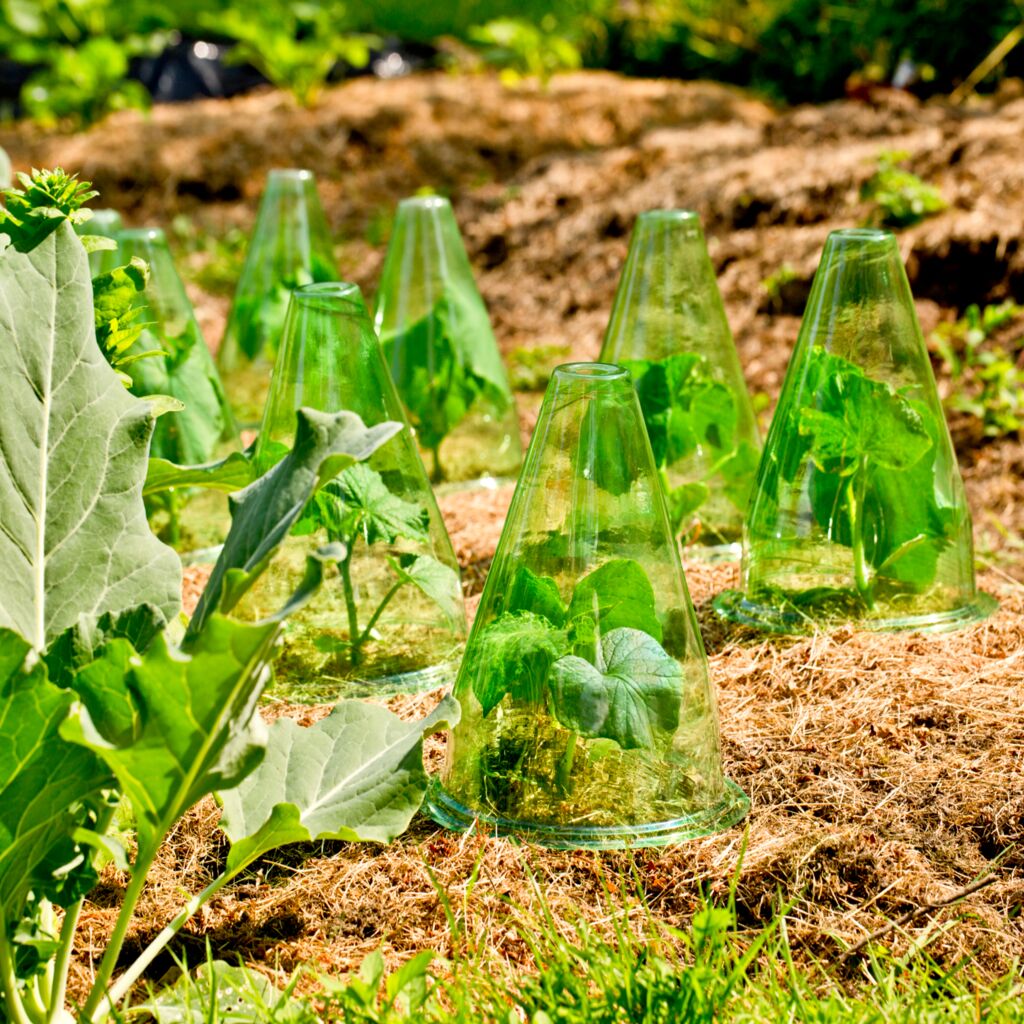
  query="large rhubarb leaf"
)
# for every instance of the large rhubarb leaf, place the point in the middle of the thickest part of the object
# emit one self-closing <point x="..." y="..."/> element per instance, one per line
<point x="173" y="727"/>
<point x="357" y="775"/>
<point x="45" y="782"/>
<point x="264" y="512"/>
<point x="73" y="445"/>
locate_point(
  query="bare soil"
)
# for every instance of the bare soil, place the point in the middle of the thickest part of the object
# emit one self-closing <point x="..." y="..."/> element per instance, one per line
<point x="886" y="772"/>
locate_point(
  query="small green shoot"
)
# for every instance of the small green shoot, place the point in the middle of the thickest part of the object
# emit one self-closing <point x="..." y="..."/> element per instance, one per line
<point x="899" y="197"/>
<point x="987" y="378"/>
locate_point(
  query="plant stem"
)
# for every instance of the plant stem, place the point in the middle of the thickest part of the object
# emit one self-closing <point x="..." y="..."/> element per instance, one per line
<point x="57" y="970"/>
<point x="16" y="1011"/>
<point x="117" y="937"/>
<point x="123" y="984"/>
<point x="380" y="608"/>
<point x="856" y="505"/>
<point x="63" y="960"/>
<point x="436" y="472"/>
<point x="33" y="1001"/>
<point x="354" y="638"/>
<point x="173" y="523"/>
<point x="564" y="773"/>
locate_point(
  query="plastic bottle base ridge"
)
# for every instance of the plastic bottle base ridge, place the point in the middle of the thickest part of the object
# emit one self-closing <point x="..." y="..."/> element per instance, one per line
<point x="730" y="810"/>
<point x="735" y="606"/>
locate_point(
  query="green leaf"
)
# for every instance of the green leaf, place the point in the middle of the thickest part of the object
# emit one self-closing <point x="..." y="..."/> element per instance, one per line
<point x="216" y="991"/>
<point x="263" y="514"/>
<point x="44" y="781"/>
<point x="44" y="202"/>
<point x="513" y="655"/>
<point x="355" y="775"/>
<point x="228" y="475"/>
<point x="116" y="315"/>
<point x="633" y="692"/>
<point x="529" y="592"/>
<point x="860" y="432"/>
<point x="185" y="371"/>
<point x="685" y="407"/>
<point x="193" y="727"/>
<point x="444" y="367"/>
<point x="863" y="419"/>
<point x="79" y="645"/>
<point x="438" y="581"/>
<point x="615" y="595"/>
<point x="74" y="538"/>
<point x="358" y="503"/>
<point x="684" y="500"/>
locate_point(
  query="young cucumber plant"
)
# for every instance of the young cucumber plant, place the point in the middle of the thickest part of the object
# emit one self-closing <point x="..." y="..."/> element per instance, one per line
<point x="689" y="412"/>
<point x="875" y="449"/>
<point x="100" y="713"/>
<point x="596" y="664"/>
<point x="356" y="506"/>
<point x="440" y="372"/>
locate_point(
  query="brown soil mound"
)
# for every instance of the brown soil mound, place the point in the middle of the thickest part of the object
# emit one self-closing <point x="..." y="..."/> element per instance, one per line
<point x="885" y="771"/>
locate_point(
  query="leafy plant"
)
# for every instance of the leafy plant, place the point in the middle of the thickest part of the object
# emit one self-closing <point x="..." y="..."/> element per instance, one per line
<point x="45" y="199"/>
<point x="688" y="412"/>
<point x="98" y="708"/>
<point x="83" y="83"/>
<point x="597" y="662"/>
<point x="441" y="373"/>
<point x="875" y="449"/>
<point x="296" y="45"/>
<point x="116" y="315"/>
<point x="77" y="465"/>
<point x="356" y="506"/>
<point x="522" y="48"/>
<point x="900" y="198"/>
<point x="988" y="382"/>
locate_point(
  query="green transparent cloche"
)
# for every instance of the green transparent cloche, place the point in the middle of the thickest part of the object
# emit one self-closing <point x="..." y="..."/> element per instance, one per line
<point x="858" y="514"/>
<point x="107" y="224"/>
<point x="391" y="616"/>
<point x="588" y="719"/>
<point x="290" y="247"/>
<point x="438" y="342"/>
<point x="194" y="522"/>
<point x="668" y="328"/>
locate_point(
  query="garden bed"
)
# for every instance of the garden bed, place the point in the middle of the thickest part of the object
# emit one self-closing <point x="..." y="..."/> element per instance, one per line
<point x="885" y="772"/>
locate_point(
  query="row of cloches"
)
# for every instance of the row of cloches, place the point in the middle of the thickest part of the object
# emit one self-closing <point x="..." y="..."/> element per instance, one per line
<point x="588" y="717"/>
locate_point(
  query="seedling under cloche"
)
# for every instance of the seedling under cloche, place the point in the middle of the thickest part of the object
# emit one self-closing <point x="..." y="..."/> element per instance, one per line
<point x="391" y="616"/>
<point x="588" y="718"/>
<point x="438" y="342"/>
<point x="859" y="514"/>
<point x="668" y="328"/>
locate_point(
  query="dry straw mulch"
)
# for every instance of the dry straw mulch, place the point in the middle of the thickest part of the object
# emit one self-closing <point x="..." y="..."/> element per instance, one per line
<point x="885" y="772"/>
